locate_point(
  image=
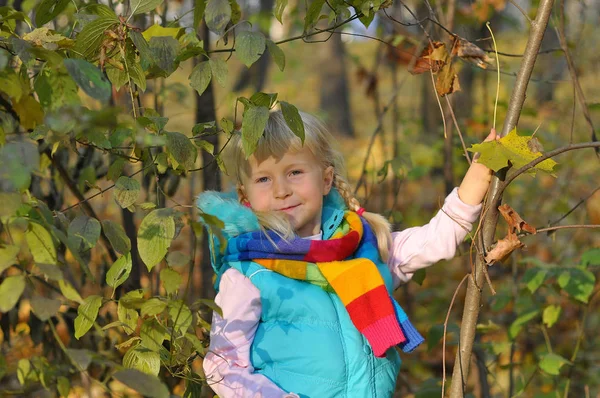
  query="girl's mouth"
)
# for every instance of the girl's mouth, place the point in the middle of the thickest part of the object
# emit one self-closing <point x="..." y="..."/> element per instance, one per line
<point x="289" y="208"/>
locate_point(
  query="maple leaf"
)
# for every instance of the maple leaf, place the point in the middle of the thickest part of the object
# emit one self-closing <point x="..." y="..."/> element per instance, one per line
<point x="43" y="37"/>
<point x="512" y="148"/>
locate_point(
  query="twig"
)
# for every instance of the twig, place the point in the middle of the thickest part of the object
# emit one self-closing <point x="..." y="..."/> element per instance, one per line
<point x="548" y="155"/>
<point x="444" y="337"/>
<point x="575" y="207"/>
<point x="462" y="141"/>
<point x="560" y="31"/>
<point x="568" y="227"/>
<point x="522" y="11"/>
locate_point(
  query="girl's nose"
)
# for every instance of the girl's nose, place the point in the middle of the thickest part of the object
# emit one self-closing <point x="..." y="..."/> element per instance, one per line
<point x="281" y="190"/>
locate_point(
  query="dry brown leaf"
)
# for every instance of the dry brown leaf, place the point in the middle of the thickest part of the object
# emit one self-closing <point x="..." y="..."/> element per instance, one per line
<point x="503" y="248"/>
<point x="432" y="58"/>
<point x="470" y="52"/>
<point x="447" y="81"/>
<point x="514" y="220"/>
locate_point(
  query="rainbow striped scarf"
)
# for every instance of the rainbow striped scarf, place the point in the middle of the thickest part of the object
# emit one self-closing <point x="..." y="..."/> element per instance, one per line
<point x="345" y="264"/>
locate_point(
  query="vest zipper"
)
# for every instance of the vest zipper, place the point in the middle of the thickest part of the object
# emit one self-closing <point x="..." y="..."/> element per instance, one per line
<point x="337" y="314"/>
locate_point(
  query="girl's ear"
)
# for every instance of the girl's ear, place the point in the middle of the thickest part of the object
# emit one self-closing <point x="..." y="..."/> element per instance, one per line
<point x="328" y="179"/>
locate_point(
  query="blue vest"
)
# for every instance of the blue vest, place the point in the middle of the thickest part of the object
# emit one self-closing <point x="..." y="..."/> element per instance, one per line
<point x="305" y="341"/>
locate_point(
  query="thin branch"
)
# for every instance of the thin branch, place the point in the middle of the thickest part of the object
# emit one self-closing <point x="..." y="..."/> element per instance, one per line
<point x="522" y="11"/>
<point x="303" y="36"/>
<point x="560" y="31"/>
<point x="582" y="201"/>
<point x="568" y="227"/>
<point x="548" y="155"/>
<point x="462" y="141"/>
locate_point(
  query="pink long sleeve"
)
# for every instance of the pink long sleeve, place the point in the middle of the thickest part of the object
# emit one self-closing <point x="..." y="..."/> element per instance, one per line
<point x="419" y="247"/>
<point x="227" y="364"/>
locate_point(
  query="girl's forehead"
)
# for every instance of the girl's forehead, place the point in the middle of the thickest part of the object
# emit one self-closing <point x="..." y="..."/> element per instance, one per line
<point x="304" y="155"/>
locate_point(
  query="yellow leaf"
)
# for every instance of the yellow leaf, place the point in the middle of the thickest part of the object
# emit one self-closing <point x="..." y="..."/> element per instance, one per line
<point x="158" y="31"/>
<point x="29" y="111"/>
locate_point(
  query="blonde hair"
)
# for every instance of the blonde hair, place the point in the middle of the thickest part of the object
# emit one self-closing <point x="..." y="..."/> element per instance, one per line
<point x="277" y="140"/>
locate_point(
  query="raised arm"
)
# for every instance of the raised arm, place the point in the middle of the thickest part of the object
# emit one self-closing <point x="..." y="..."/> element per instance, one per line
<point x="419" y="247"/>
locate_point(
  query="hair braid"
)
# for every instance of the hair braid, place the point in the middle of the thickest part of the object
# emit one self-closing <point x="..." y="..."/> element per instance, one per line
<point x="379" y="224"/>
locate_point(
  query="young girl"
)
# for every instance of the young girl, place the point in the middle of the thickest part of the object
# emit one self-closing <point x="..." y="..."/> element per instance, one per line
<point x="305" y="280"/>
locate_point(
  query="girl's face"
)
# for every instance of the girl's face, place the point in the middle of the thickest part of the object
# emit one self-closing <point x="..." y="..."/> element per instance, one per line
<point x="293" y="184"/>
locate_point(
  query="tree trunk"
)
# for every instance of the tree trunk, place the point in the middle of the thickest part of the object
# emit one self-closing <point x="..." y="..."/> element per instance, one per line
<point x="211" y="177"/>
<point x="334" y="93"/>
<point x="476" y="282"/>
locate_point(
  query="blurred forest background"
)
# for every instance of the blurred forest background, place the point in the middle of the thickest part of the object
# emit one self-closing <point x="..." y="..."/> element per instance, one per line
<point x="111" y="127"/>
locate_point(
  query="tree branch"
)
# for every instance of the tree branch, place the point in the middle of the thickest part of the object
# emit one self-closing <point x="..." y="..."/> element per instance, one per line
<point x="475" y="284"/>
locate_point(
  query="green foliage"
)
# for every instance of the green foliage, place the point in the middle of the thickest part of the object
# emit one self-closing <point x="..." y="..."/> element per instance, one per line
<point x="87" y="314"/>
<point x="155" y="235"/>
<point x="10" y="292"/>
<point x="89" y="78"/>
<point x="145" y="384"/>
<point x="249" y="46"/>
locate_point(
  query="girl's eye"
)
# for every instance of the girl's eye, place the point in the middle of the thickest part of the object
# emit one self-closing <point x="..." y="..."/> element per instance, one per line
<point x="296" y="172"/>
<point x="261" y="180"/>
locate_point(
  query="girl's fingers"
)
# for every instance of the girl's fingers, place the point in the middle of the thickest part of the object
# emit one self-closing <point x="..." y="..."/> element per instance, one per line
<point x="491" y="136"/>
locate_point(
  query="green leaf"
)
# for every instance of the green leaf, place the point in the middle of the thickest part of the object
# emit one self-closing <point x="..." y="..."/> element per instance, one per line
<point x="50" y="271"/>
<point x="578" y="283"/>
<point x="279" y="8"/>
<point x="513" y="148"/>
<point x="8" y="257"/>
<point x="253" y="126"/>
<point x="171" y="280"/>
<point x="10" y="292"/>
<point x="64" y="240"/>
<point x="534" y="278"/>
<point x="158" y="30"/>
<point x="277" y="54"/>
<point x="148" y="205"/>
<point x="182" y="150"/>
<point x="312" y="15"/>
<point x="44" y="308"/>
<point x="550" y="315"/>
<point x="40" y="244"/>
<point x="152" y="307"/>
<point x="119" y="271"/>
<point x="263" y="99"/>
<point x="19" y="158"/>
<point x="142" y="359"/>
<point x="199" y="7"/>
<point x="591" y="257"/>
<point x="128" y="316"/>
<point x="69" y="291"/>
<point x="165" y="50"/>
<point x="127" y="191"/>
<point x="141" y="43"/>
<point x="87" y="314"/>
<point x="219" y="70"/>
<point x="200" y="77"/>
<point x="217" y="15"/>
<point x="117" y="77"/>
<point x="143" y="383"/>
<point x="63" y="386"/>
<point x="47" y="10"/>
<point x="249" y="46"/>
<point x="89" y="78"/>
<point x="82" y="358"/>
<point x="177" y="259"/>
<point x="83" y="232"/>
<point x="518" y="324"/>
<point x="180" y="315"/>
<point x="155" y="235"/>
<point x="293" y="119"/>
<point x="116" y="236"/>
<point x="551" y="363"/>
<point x="11" y="201"/>
<point x="143" y="6"/>
<point x="152" y="334"/>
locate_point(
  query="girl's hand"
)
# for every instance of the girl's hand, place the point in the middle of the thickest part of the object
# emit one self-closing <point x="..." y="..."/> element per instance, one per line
<point x="477" y="180"/>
